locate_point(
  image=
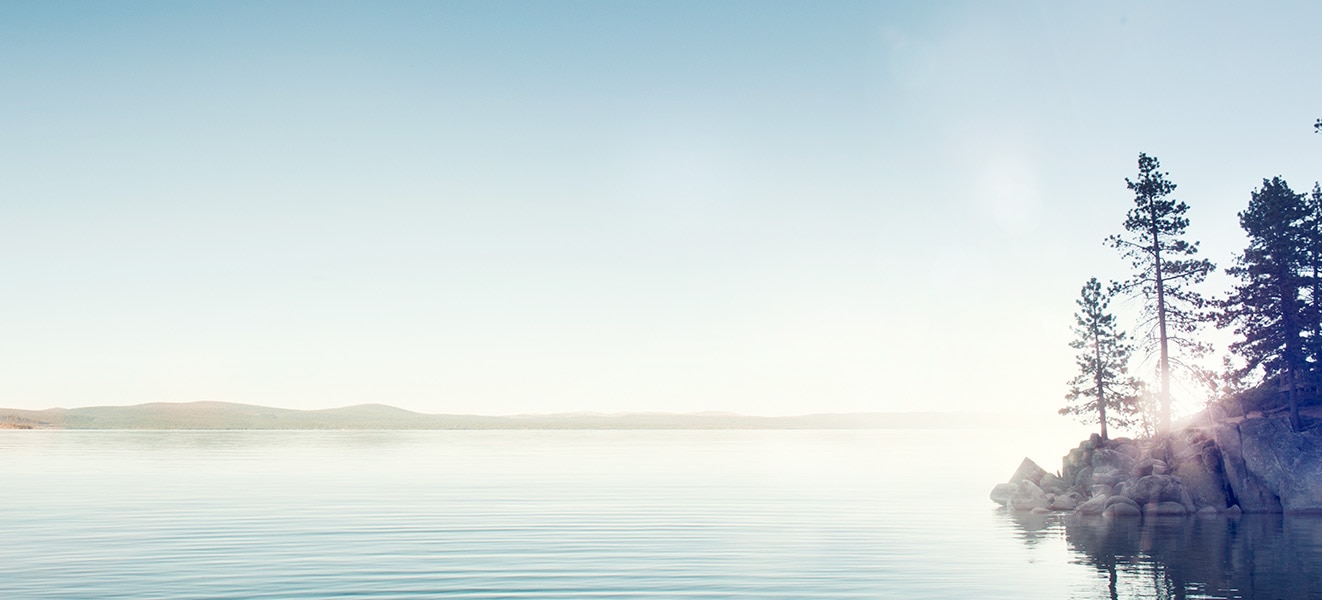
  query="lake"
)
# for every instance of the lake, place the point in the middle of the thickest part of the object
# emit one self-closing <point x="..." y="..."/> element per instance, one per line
<point x="592" y="514"/>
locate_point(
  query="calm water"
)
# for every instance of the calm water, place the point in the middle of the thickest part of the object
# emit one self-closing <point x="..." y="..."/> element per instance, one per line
<point x="781" y="514"/>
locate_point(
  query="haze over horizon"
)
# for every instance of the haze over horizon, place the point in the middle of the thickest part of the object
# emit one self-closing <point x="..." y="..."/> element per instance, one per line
<point x="766" y="208"/>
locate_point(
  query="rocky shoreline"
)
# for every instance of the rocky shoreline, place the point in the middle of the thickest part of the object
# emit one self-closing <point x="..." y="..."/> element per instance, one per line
<point x="1223" y="466"/>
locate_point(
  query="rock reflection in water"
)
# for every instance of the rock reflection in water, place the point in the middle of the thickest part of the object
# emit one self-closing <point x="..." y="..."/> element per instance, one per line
<point x="1252" y="556"/>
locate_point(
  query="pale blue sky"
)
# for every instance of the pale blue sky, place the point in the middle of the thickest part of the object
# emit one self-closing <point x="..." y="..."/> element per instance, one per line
<point x="504" y="207"/>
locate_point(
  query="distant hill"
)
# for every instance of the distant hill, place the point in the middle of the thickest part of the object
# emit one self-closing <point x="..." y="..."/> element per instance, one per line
<point x="226" y="415"/>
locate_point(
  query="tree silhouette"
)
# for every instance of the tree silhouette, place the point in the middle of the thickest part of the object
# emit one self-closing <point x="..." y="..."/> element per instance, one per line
<point x="1102" y="389"/>
<point x="1265" y="307"/>
<point x="1164" y="268"/>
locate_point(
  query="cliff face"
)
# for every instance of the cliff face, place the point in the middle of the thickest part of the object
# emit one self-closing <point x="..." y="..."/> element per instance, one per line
<point x="1281" y="467"/>
<point x="1254" y="465"/>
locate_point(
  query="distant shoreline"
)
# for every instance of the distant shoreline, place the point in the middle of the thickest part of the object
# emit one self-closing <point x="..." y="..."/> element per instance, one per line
<point x="232" y="416"/>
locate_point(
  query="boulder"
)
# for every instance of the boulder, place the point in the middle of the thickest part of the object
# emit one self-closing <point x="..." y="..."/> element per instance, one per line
<point x="1164" y="509"/>
<point x="1028" y="496"/>
<point x="1106" y="457"/>
<point x="1028" y="471"/>
<point x="1051" y="483"/>
<point x="1108" y="475"/>
<point x="1067" y="501"/>
<point x="1041" y="510"/>
<point x="1207" y="511"/>
<point x="1101" y="490"/>
<point x="1002" y="493"/>
<point x="1250" y="493"/>
<point x="1289" y="464"/>
<point x="1122" y="510"/>
<point x="1094" y="506"/>
<point x="1114" y="500"/>
<point x="1159" y="488"/>
<point x="1206" y="485"/>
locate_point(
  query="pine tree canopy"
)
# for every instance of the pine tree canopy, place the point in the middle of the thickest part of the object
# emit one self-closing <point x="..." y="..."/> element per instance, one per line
<point x="1265" y="306"/>
<point x="1102" y="392"/>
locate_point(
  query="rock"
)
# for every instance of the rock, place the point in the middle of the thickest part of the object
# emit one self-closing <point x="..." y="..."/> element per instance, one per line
<point x="1041" y="510"/>
<point x="1051" y="483"/>
<point x="1114" y="500"/>
<point x="1067" y="501"/>
<point x="1121" y="510"/>
<point x="1083" y="477"/>
<point x="1106" y="457"/>
<point x="1108" y="475"/>
<point x="1072" y="464"/>
<point x="1028" y="471"/>
<point x="1165" y="509"/>
<point x="1149" y="466"/>
<point x="1002" y="493"/>
<point x="1249" y="491"/>
<point x="1101" y="489"/>
<point x="1206" y="511"/>
<point x="1206" y="486"/>
<point x="1094" y="506"/>
<point x="1128" y="448"/>
<point x="1289" y="464"/>
<point x="1234" y="511"/>
<point x="1028" y="496"/>
<point x="1158" y="488"/>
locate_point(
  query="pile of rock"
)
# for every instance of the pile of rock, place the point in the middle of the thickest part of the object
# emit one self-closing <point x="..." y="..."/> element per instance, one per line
<point x="1178" y="474"/>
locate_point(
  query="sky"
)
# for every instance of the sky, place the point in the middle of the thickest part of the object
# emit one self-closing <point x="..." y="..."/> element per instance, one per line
<point x="527" y="207"/>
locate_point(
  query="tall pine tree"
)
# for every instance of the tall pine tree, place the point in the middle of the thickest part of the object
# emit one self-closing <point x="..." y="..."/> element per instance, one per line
<point x="1102" y="390"/>
<point x="1313" y="268"/>
<point x="1165" y="267"/>
<point x="1266" y="307"/>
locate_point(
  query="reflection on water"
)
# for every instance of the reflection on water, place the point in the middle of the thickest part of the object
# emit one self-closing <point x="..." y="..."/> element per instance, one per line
<point x="1253" y="556"/>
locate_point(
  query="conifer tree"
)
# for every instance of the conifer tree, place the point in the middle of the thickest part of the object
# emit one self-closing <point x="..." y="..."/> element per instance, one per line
<point x="1313" y="253"/>
<point x="1165" y="267"/>
<point x="1102" y="390"/>
<point x="1265" y="307"/>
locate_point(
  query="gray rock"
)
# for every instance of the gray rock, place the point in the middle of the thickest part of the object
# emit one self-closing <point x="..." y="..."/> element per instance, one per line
<point x="1234" y="511"/>
<point x="1002" y="493"/>
<point x="1157" y="488"/>
<point x="1206" y="486"/>
<point x="1165" y="509"/>
<point x="1105" y="457"/>
<point x="1067" y="501"/>
<point x="1028" y="496"/>
<point x="1288" y="464"/>
<point x="1108" y="475"/>
<point x="1121" y="510"/>
<point x="1207" y="511"/>
<point x="1101" y="489"/>
<point x="1094" y="506"/>
<point x="1051" y="483"/>
<point x="1250" y="492"/>
<point x="1114" y="500"/>
<point x="1028" y="471"/>
<point x="1041" y="510"/>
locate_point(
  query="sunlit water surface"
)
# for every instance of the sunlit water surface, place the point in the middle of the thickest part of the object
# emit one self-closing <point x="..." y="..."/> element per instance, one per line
<point x="607" y="514"/>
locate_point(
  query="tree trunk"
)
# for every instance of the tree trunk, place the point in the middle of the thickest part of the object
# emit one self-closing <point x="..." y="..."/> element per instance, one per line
<point x="1097" y="377"/>
<point x="1163" y="411"/>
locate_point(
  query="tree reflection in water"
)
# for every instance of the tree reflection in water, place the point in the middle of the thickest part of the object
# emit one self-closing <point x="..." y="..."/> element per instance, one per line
<point x="1251" y="557"/>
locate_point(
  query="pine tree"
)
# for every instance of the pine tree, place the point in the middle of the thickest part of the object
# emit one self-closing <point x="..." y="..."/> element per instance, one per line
<point x="1313" y="253"/>
<point x="1102" y="390"/>
<point x="1265" y="307"/>
<point x="1164" y="268"/>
